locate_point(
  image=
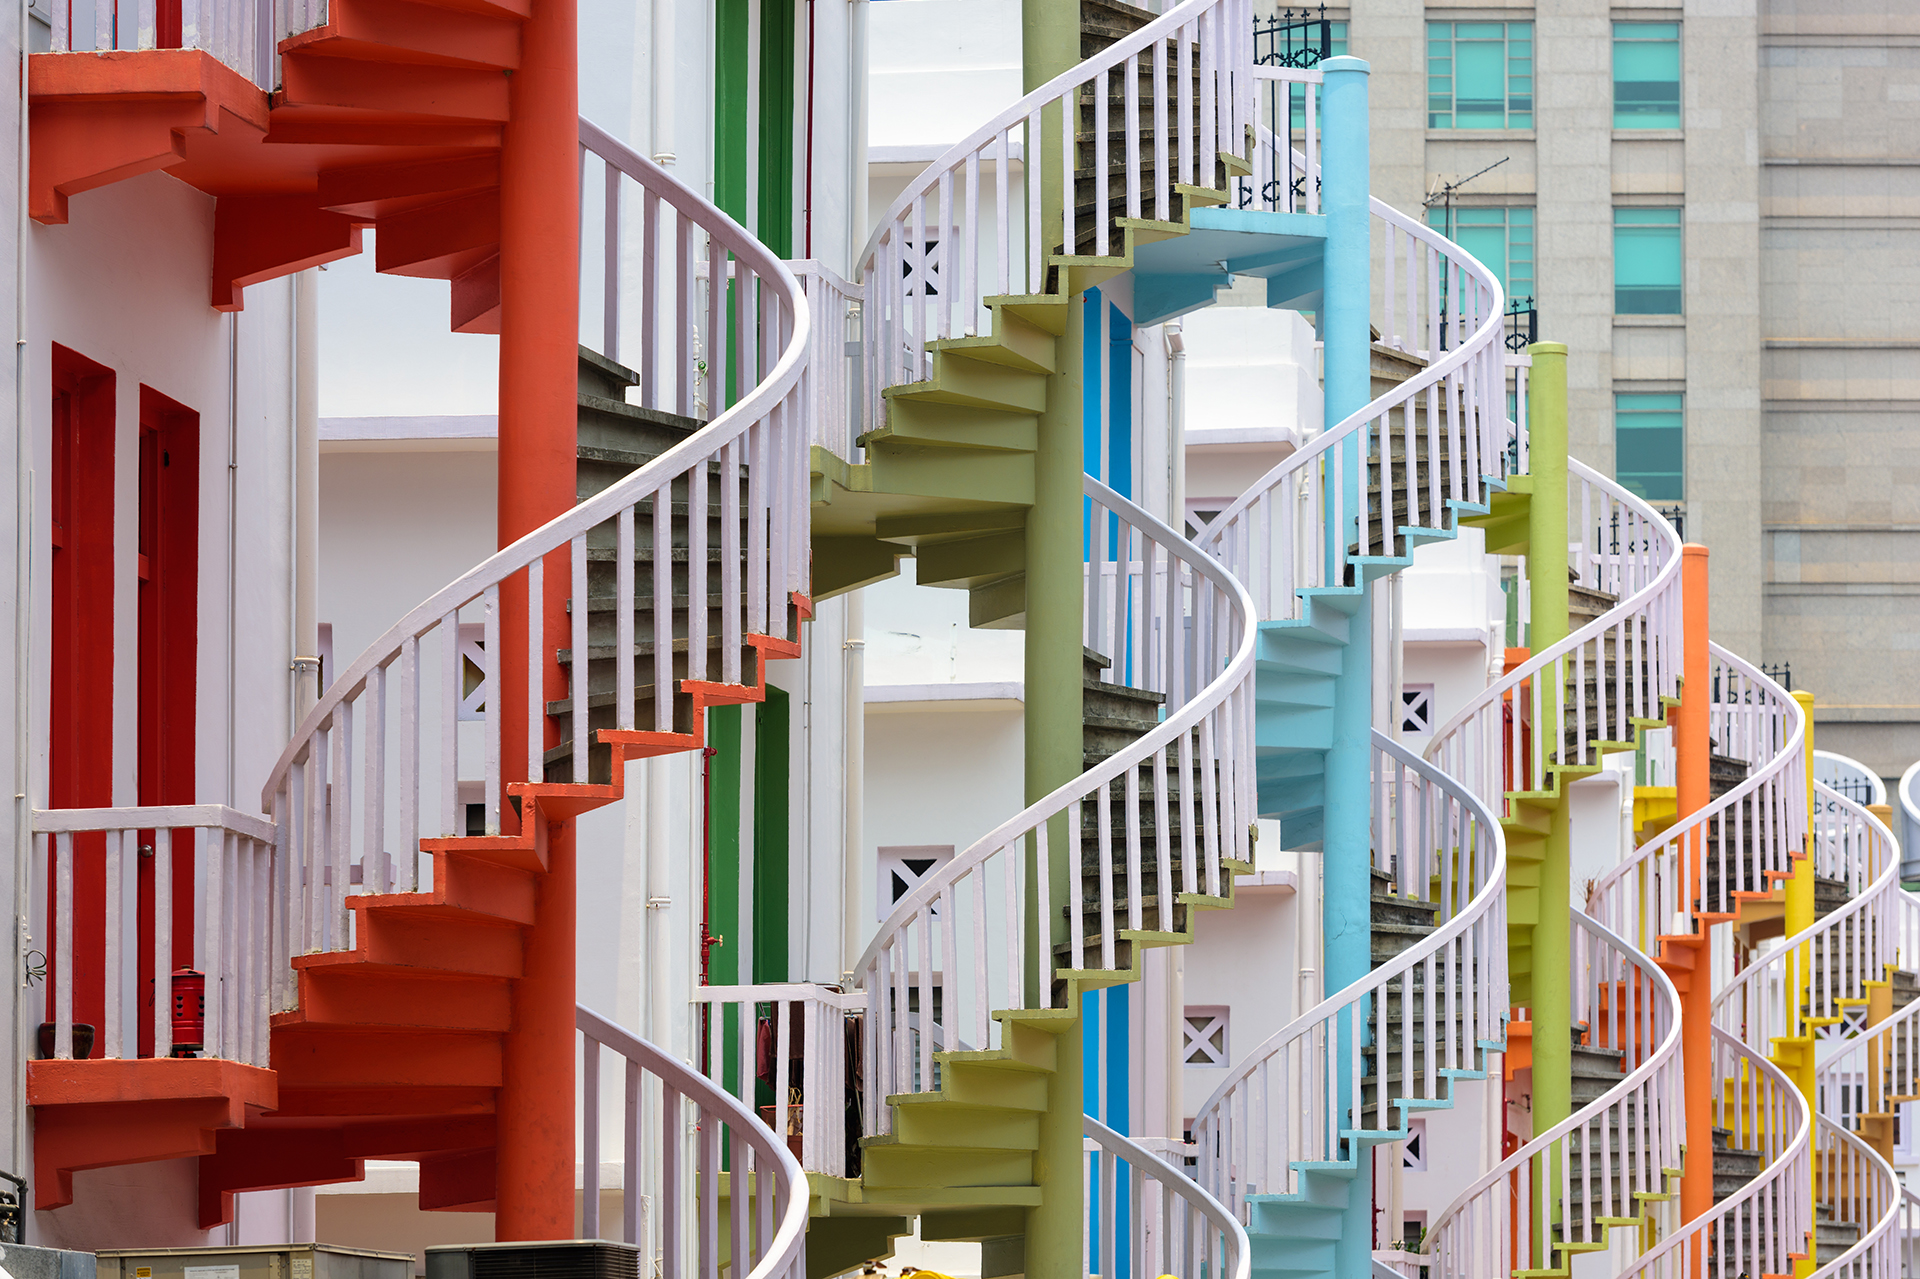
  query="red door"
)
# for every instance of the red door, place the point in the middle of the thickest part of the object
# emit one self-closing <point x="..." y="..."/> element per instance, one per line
<point x="80" y="634"/>
<point x="169" y="646"/>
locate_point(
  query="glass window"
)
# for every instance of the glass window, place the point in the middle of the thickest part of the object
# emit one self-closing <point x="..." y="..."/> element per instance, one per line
<point x="1646" y="75"/>
<point x="1650" y="446"/>
<point x="1646" y="261"/>
<point x="1480" y="75"/>
<point x="1502" y="238"/>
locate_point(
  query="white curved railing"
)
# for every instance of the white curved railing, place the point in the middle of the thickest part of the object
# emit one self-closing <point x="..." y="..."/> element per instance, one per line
<point x="1184" y="86"/>
<point x="1760" y="1227"/>
<point x="1298" y="1096"/>
<point x="1170" y="1226"/>
<point x="1850" y="777"/>
<point x="1909" y="816"/>
<point x="361" y="776"/>
<point x="1631" y="654"/>
<point x="1624" y="1143"/>
<point x="1296" y="527"/>
<point x="1743" y="842"/>
<point x="1861" y="1190"/>
<point x="1810" y="978"/>
<point x="987" y="923"/>
<point x="688" y="1142"/>
<point x="1866" y="1077"/>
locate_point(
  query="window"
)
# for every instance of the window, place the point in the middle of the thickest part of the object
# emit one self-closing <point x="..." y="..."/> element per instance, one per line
<point x="902" y="867"/>
<point x="1650" y="446"/>
<point x="1480" y="75"/>
<point x="1646" y="75"/>
<point x="1416" y="708"/>
<point x="1501" y="238"/>
<point x="1204" y="1035"/>
<point x="1646" y="262"/>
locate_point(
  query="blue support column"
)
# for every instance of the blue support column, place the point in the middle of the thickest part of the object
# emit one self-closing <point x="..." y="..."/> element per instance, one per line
<point x="1347" y="330"/>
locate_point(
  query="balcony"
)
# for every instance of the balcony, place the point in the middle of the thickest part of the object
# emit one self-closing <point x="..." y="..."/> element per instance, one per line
<point x="156" y="985"/>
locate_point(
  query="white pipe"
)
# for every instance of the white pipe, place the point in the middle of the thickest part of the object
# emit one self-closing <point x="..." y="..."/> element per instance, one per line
<point x="853" y="845"/>
<point x="663" y="58"/>
<point x="857" y="133"/>
<point x="22" y="634"/>
<point x="306" y="471"/>
<point x="1174" y="351"/>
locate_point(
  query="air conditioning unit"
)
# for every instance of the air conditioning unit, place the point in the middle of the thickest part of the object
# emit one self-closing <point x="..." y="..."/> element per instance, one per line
<point x="257" y="1261"/>
<point x="549" y="1259"/>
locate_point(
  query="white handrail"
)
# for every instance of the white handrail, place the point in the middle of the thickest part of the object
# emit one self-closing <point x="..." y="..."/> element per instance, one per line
<point x="1806" y="979"/>
<point x="1275" y="534"/>
<point x="1282" y="1105"/>
<point x="1757" y="1229"/>
<point x="1910" y="821"/>
<point x="230" y="854"/>
<point x="936" y="255"/>
<point x="1850" y="777"/>
<point x="1629" y="550"/>
<point x="1177" y="624"/>
<point x="808" y="1024"/>
<point x="669" y="1108"/>
<point x="1848" y="1163"/>
<point x="1180" y="1230"/>
<point x="747" y="467"/>
<point x="1744" y="841"/>
<point x="1627" y="1002"/>
<point x="1865" y="1076"/>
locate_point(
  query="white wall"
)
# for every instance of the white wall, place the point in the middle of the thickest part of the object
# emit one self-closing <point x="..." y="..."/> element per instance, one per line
<point x="939" y="69"/>
<point x="126" y="283"/>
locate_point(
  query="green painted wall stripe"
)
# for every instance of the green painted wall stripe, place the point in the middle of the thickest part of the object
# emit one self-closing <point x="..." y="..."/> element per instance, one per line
<point x="776" y="126"/>
<point x="723" y="847"/>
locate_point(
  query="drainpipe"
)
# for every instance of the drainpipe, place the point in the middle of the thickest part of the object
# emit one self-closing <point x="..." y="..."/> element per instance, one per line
<point x="857" y="228"/>
<point x="663" y="55"/>
<point x="303" y="325"/>
<point x="1177" y="425"/>
<point x="853" y="847"/>
<point x="20" y="1156"/>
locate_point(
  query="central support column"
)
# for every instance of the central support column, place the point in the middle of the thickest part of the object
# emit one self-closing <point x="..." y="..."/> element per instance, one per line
<point x="1548" y="625"/>
<point x="1054" y="675"/>
<point x="1346" y="327"/>
<point x="1693" y="790"/>
<point x="1552" y="979"/>
<point x="1801" y="913"/>
<point x="539" y="342"/>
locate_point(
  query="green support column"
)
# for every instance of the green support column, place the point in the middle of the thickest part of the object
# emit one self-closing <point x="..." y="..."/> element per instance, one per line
<point x="1547" y="586"/>
<point x="1055" y="556"/>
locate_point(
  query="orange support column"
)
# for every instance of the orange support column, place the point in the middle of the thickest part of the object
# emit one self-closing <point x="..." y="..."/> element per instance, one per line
<point x="1693" y="791"/>
<point x="539" y="338"/>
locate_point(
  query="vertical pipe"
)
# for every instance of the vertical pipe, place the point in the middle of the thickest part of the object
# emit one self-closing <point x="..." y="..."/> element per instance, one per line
<point x="853" y="855"/>
<point x="1346" y="887"/>
<point x="1693" y="762"/>
<point x="305" y="323"/>
<point x="1552" y="983"/>
<point x="539" y="337"/>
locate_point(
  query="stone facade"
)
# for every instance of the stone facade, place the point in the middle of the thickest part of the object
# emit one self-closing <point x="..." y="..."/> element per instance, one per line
<point x="1798" y="169"/>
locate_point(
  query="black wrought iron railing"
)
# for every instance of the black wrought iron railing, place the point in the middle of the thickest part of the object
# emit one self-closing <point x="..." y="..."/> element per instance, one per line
<point x="1780" y="673"/>
<point x="1676" y="516"/>
<point x="1523" y="323"/>
<point x="1290" y="39"/>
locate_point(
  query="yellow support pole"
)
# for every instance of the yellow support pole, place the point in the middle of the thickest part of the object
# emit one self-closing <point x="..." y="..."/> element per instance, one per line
<point x="1799" y="1063"/>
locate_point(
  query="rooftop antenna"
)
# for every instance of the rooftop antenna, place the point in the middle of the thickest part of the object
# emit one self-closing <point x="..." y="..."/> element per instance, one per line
<point x="1445" y="193"/>
<point x="1446" y="190"/>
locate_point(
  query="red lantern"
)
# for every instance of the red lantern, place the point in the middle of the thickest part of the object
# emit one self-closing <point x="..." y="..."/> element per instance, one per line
<point x="189" y="1011"/>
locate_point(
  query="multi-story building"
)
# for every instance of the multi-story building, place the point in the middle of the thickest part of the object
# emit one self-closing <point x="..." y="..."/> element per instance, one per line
<point x="1677" y="186"/>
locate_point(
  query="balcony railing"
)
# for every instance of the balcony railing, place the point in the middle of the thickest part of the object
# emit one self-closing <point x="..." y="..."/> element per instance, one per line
<point x="243" y="34"/>
<point x="1289" y="39"/>
<point x="130" y="860"/>
<point x="781" y="1049"/>
<point x="1523" y="324"/>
